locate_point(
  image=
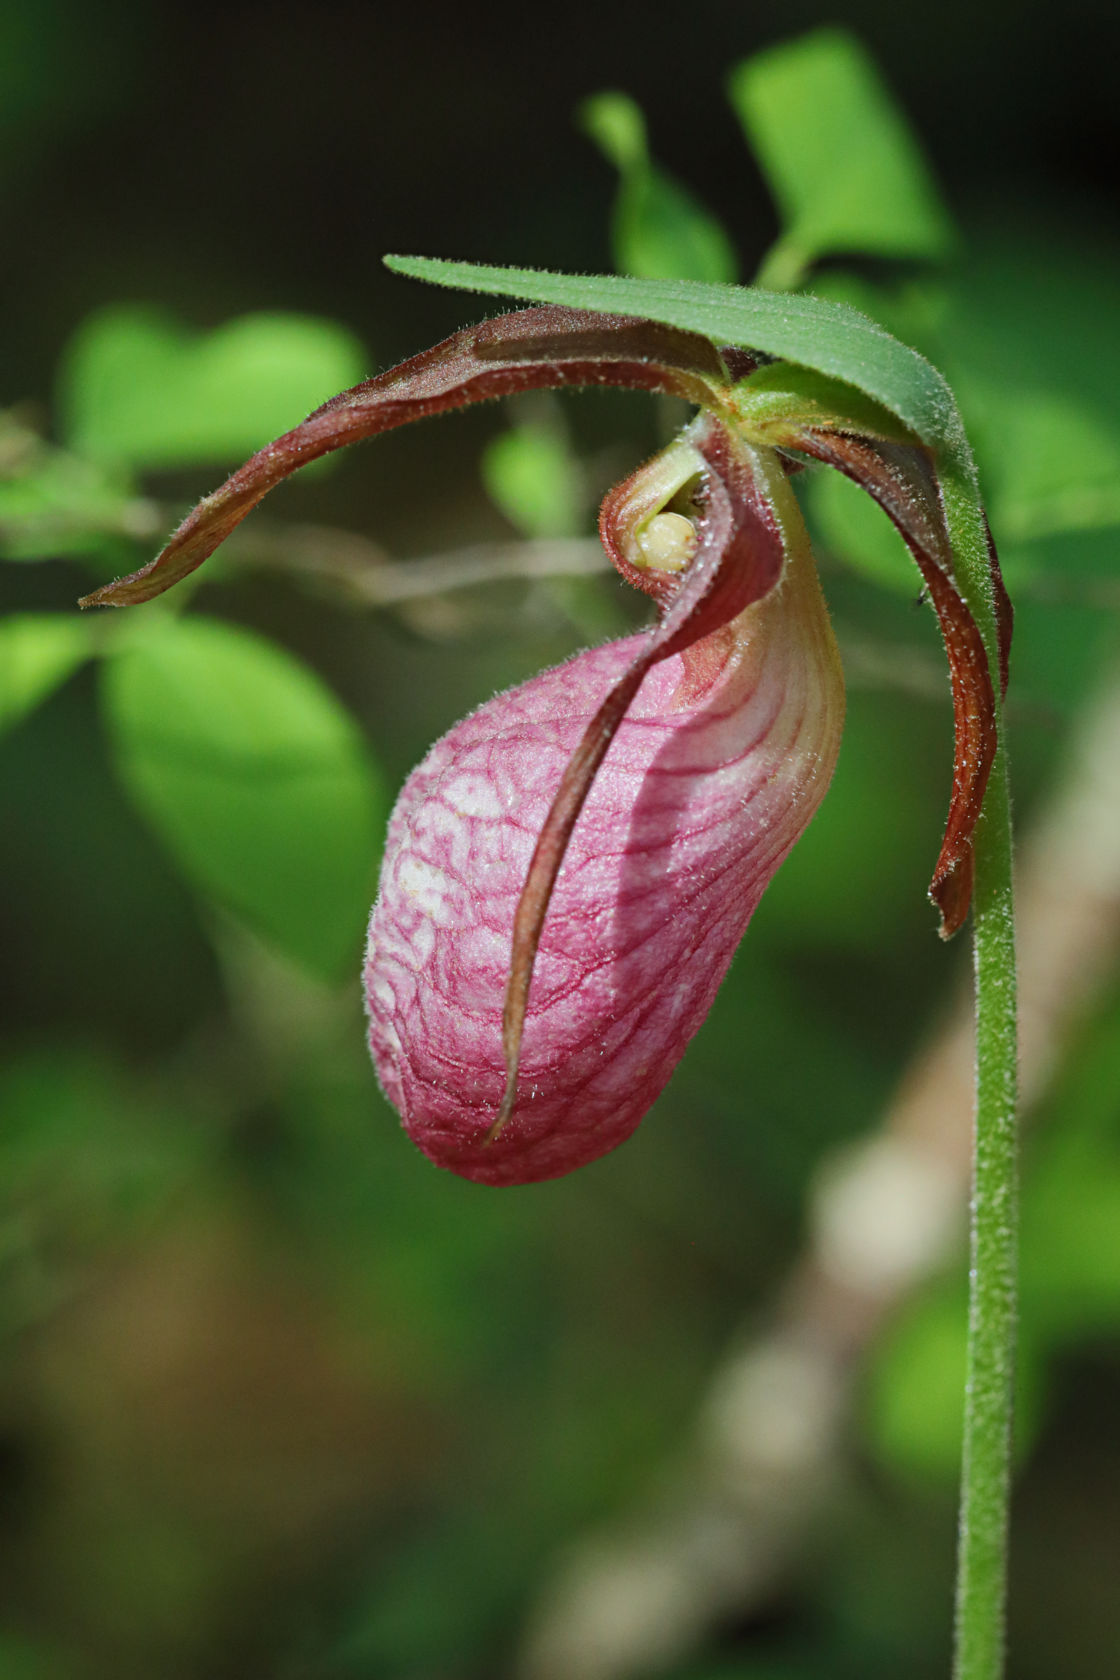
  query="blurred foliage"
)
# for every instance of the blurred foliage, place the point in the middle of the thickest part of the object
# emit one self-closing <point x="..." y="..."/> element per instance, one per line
<point x="659" y="229"/>
<point x="254" y="775"/>
<point x="37" y="653"/>
<point x="1070" y="1271"/>
<point x="531" y="473"/>
<point x="840" y="158"/>
<point x="279" y="1399"/>
<point x="137" y="389"/>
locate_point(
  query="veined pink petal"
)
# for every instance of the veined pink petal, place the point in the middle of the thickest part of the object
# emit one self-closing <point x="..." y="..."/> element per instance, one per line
<point x="714" y="773"/>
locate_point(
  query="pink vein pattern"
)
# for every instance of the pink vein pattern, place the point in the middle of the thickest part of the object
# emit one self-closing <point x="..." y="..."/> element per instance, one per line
<point x="715" y="772"/>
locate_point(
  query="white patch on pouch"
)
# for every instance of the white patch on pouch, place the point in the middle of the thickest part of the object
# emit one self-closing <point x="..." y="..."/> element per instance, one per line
<point x="428" y="888"/>
<point x="473" y="796"/>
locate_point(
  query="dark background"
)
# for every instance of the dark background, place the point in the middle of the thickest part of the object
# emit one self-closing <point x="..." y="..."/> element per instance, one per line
<point x="225" y="158"/>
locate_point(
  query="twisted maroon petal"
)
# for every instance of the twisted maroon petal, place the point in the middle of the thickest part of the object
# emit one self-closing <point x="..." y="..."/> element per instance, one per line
<point x="522" y="351"/>
<point x="901" y="478"/>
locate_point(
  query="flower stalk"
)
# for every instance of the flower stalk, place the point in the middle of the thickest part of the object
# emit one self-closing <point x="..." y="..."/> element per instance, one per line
<point x="982" y="1561"/>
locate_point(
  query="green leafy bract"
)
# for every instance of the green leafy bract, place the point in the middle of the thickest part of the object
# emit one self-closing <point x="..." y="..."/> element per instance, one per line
<point x="255" y="777"/>
<point x="829" y="337"/>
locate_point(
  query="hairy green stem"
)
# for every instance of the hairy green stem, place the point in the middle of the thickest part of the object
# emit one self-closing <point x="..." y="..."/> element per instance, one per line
<point x="986" y="1463"/>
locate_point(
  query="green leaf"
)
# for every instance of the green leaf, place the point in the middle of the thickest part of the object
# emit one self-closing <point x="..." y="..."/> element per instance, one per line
<point x="139" y="390"/>
<point x="530" y="474"/>
<point x="38" y="651"/>
<point x="840" y="158"/>
<point x="255" y="777"/>
<point x="659" y="229"/>
<point x="829" y="337"/>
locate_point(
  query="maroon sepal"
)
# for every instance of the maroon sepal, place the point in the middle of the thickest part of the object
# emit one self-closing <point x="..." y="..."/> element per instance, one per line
<point x="739" y="560"/>
<point x="521" y="351"/>
<point x="901" y="478"/>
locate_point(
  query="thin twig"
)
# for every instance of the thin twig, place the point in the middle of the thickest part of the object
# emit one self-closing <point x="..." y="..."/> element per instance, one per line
<point x="363" y="573"/>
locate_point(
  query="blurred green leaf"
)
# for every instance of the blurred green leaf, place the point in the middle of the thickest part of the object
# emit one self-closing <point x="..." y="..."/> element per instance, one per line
<point x="38" y="651"/>
<point x="451" y="1586"/>
<point x="616" y="124"/>
<point x="858" y="532"/>
<point x="1052" y="461"/>
<point x="531" y="475"/>
<point x="916" y="1387"/>
<point x="915" y="1392"/>
<point x="255" y="777"/>
<point x="88" y="1161"/>
<point x="1060" y="652"/>
<point x="829" y="337"/>
<point x="140" y="390"/>
<point x="1038" y="304"/>
<point x="839" y="155"/>
<point x="1071" y="1195"/>
<point x="863" y="865"/>
<point x="658" y="229"/>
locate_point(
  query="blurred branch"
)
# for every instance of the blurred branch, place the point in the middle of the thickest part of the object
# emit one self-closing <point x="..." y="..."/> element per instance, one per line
<point x="359" y="571"/>
<point x="55" y="500"/>
<point x="52" y="500"/>
<point x="729" y="1519"/>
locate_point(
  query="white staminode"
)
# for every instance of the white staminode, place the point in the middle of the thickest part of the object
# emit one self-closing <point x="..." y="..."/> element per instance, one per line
<point x="667" y="542"/>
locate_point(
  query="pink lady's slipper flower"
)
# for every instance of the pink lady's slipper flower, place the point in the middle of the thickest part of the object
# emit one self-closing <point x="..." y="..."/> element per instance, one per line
<point x="569" y="871"/>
